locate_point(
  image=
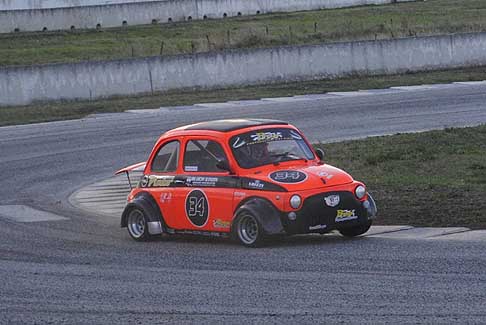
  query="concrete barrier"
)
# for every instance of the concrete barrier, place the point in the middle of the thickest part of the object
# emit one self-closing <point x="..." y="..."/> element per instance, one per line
<point x="49" y="4"/>
<point x="138" y="13"/>
<point x="23" y="85"/>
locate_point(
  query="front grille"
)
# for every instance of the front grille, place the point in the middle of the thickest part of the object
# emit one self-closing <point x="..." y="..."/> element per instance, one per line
<point x="315" y="212"/>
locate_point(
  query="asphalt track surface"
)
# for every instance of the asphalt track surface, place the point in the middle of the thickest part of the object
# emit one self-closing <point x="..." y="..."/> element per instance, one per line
<point x="85" y="269"/>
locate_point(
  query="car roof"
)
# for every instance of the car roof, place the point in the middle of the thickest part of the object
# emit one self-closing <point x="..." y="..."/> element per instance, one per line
<point x="230" y="125"/>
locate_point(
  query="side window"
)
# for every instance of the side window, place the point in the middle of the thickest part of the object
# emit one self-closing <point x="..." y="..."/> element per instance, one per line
<point x="202" y="156"/>
<point x="166" y="158"/>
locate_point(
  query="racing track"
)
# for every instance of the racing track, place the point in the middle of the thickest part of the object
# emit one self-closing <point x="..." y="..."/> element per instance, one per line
<point x="84" y="269"/>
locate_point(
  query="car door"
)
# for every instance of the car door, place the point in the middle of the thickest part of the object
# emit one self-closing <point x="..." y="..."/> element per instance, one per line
<point x="205" y="201"/>
<point x="160" y="178"/>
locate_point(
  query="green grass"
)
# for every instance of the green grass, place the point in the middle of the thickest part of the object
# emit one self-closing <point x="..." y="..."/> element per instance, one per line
<point x="435" y="178"/>
<point x="62" y="110"/>
<point x="358" y="23"/>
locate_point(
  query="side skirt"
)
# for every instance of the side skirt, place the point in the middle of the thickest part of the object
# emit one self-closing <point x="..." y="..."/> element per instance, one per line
<point x="198" y="233"/>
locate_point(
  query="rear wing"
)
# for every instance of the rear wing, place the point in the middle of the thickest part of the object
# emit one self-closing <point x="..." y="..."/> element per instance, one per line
<point x="138" y="167"/>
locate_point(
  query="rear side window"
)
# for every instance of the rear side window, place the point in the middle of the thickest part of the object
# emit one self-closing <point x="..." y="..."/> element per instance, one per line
<point x="202" y="156"/>
<point x="167" y="158"/>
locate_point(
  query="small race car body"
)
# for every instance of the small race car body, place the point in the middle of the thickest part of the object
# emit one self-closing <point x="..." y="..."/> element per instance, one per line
<point x="248" y="178"/>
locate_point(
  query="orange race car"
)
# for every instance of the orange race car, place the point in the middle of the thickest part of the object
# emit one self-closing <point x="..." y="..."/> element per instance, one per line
<point x="248" y="178"/>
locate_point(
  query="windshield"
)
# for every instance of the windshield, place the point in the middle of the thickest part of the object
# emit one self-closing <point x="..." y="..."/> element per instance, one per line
<point x="269" y="146"/>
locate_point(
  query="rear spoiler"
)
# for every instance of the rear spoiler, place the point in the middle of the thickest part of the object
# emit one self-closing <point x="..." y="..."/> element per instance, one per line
<point x="138" y="167"/>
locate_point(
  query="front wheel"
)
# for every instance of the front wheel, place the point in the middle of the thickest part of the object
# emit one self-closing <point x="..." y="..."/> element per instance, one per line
<point x="248" y="230"/>
<point x="356" y="230"/>
<point x="137" y="225"/>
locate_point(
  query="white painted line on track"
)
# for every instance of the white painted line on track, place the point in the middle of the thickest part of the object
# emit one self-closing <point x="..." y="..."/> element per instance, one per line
<point x="441" y="86"/>
<point x="138" y="111"/>
<point x="376" y="230"/>
<point x="315" y="96"/>
<point x="470" y="83"/>
<point x="279" y="99"/>
<point x="349" y="93"/>
<point x="413" y="88"/>
<point x="215" y="105"/>
<point x="23" y="213"/>
<point x="247" y="102"/>
<point x="469" y="235"/>
<point x="385" y="91"/>
<point x="421" y="233"/>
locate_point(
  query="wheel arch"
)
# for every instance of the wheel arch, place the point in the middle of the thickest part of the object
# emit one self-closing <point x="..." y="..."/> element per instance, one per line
<point x="264" y="211"/>
<point x="146" y="202"/>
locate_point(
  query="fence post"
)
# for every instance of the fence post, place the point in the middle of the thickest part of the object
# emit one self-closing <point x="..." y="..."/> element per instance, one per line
<point x="151" y="82"/>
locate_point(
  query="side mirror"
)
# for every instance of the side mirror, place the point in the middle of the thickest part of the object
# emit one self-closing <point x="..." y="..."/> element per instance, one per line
<point x="223" y="165"/>
<point x="320" y="153"/>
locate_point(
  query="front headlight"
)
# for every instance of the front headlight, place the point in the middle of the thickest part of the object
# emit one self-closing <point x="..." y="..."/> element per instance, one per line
<point x="360" y="192"/>
<point x="295" y="201"/>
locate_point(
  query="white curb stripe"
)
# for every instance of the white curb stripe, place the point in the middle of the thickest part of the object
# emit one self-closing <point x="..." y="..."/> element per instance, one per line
<point x="23" y="213"/>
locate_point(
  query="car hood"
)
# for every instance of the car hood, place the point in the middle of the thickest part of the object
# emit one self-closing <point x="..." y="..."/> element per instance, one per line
<point x="297" y="178"/>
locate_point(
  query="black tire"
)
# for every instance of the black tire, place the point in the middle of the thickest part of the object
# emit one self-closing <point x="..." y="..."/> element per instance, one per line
<point x="356" y="230"/>
<point x="248" y="230"/>
<point x="137" y="225"/>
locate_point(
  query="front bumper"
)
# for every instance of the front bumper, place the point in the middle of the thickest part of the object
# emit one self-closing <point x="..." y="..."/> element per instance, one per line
<point x="316" y="215"/>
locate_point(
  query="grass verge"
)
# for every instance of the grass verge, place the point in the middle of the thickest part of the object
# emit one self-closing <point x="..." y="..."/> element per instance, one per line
<point x="312" y="27"/>
<point x="432" y="179"/>
<point x="63" y="110"/>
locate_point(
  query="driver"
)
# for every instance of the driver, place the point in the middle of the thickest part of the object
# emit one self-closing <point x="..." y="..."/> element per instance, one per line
<point x="253" y="155"/>
<point x="259" y="153"/>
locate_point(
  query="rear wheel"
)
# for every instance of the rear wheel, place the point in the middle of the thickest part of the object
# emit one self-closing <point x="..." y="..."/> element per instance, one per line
<point x="248" y="230"/>
<point x="356" y="230"/>
<point x="137" y="225"/>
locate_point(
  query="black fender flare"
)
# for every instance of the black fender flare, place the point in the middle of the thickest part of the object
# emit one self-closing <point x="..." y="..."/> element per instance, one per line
<point x="372" y="209"/>
<point x="146" y="202"/>
<point x="265" y="212"/>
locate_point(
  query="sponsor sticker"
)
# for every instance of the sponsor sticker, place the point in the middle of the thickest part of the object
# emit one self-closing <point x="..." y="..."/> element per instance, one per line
<point x="256" y="184"/>
<point x="165" y="198"/>
<point x="325" y="175"/>
<point x="201" y="181"/>
<point x="288" y="176"/>
<point x="144" y="181"/>
<point x="345" y="215"/>
<point x="266" y="136"/>
<point x="156" y="181"/>
<point x="221" y="224"/>
<point x="295" y="135"/>
<point x="191" y="168"/>
<point x="317" y="227"/>
<point x="332" y="200"/>
<point x="238" y="143"/>
<point x="240" y="194"/>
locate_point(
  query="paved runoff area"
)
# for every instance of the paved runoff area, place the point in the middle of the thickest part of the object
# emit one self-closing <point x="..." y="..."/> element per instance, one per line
<point x="108" y="198"/>
<point x="22" y="213"/>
